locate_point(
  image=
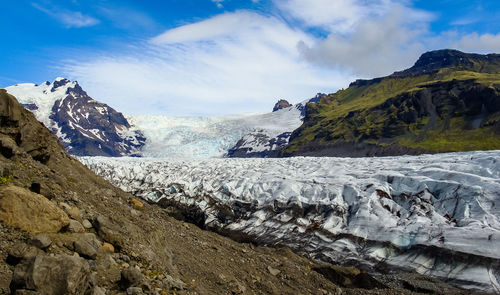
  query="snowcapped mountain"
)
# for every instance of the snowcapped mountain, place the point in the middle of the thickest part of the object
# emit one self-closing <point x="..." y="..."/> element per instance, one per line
<point x="84" y="126"/>
<point x="434" y="214"/>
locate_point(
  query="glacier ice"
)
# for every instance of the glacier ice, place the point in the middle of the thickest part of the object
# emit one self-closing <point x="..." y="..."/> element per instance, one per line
<point x="435" y="214"/>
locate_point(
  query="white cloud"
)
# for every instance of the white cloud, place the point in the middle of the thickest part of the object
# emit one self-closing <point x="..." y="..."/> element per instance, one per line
<point x="486" y="43"/>
<point x="71" y="19"/>
<point x="218" y="3"/>
<point x="339" y="16"/>
<point x="375" y="46"/>
<point x="231" y="63"/>
<point x="244" y="61"/>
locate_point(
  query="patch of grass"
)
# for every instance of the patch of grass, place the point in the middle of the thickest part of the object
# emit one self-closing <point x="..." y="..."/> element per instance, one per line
<point x="4" y="180"/>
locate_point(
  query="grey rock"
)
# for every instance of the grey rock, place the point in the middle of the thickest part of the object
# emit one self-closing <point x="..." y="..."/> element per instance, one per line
<point x="22" y="251"/>
<point x="75" y="227"/>
<point x="61" y="274"/>
<point x="86" y="224"/>
<point x="98" y="291"/>
<point x="273" y="271"/>
<point x="108" y="230"/>
<point x="131" y="277"/>
<point x="41" y="241"/>
<point x="174" y="283"/>
<point x="87" y="245"/>
<point x="134" y="291"/>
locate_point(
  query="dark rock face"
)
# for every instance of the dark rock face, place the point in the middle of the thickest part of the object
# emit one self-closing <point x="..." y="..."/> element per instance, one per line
<point x="245" y="147"/>
<point x="281" y="104"/>
<point x="92" y="128"/>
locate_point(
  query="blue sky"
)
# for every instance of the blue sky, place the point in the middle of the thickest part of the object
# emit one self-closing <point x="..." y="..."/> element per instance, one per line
<point x="216" y="57"/>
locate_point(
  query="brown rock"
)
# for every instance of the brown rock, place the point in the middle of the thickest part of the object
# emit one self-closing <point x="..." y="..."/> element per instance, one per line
<point x="31" y="212"/>
<point x="107" y="247"/>
<point x="136" y="204"/>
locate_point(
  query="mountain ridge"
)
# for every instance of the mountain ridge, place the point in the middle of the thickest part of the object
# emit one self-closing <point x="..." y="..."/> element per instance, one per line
<point x="83" y="125"/>
<point x="448" y="101"/>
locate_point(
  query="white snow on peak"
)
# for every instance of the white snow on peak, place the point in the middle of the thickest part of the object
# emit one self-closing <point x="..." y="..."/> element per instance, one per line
<point x="42" y="96"/>
<point x="208" y="137"/>
<point x="436" y="214"/>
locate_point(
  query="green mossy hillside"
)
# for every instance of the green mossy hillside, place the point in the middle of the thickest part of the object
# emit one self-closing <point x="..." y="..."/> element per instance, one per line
<point x="456" y="108"/>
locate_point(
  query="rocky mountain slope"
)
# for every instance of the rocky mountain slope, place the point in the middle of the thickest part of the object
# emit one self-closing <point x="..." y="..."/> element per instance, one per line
<point x="84" y="126"/>
<point x="448" y="101"/>
<point x="64" y="230"/>
<point x="433" y="214"/>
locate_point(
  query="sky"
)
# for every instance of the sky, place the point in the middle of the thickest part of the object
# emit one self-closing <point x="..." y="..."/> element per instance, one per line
<point x="220" y="57"/>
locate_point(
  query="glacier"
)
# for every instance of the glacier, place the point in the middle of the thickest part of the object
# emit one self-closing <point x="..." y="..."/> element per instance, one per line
<point x="438" y="215"/>
<point x="213" y="137"/>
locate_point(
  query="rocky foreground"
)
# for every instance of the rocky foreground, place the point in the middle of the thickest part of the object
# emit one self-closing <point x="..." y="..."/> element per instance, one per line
<point x="64" y="230"/>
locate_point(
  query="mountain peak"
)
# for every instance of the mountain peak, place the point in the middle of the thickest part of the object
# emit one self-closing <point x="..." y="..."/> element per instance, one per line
<point x="281" y="104"/>
<point x="436" y="60"/>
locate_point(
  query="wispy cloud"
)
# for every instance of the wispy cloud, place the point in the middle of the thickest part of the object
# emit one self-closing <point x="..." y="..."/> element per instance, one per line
<point x="71" y="19"/>
<point x="211" y="67"/>
<point x="218" y="3"/>
<point x="243" y="61"/>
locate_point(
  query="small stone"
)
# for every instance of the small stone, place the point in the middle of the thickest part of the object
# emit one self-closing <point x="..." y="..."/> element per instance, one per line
<point x="175" y="284"/>
<point x="125" y="258"/>
<point x="107" y="247"/>
<point x="134" y="291"/>
<point x="75" y="227"/>
<point x="238" y="288"/>
<point x="41" y="241"/>
<point x="86" y="224"/>
<point x="131" y="277"/>
<point x="273" y="271"/>
<point x="74" y="213"/>
<point x="136" y="204"/>
<point x="64" y="206"/>
<point x="98" y="291"/>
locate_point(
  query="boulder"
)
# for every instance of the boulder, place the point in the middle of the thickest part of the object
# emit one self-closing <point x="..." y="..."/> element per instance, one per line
<point x="41" y="241"/>
<point x="108" y="230"/>
<point x="131" y="277"/>
<point x="75" y="227"/>
<point x="29" y="211"/>
<point x="21" y="251"/>
<point x="86" y="245"/>
<point x="56" y="275"/>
